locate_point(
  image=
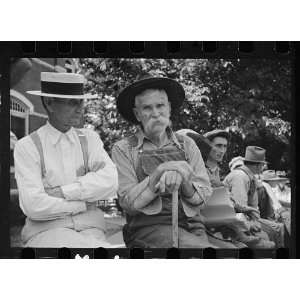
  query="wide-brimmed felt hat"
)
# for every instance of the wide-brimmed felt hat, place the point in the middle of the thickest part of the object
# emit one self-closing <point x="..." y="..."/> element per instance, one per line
<point x="126" y="98"/>
<point x="255" y="154"/>
<point x="270" y="175"/>
<point x="202" y="142"/>
<point x="215" y="133"/>
<point x="62" y="85"/>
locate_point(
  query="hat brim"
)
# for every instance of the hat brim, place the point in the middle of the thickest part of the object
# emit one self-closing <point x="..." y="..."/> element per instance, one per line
<point x="125" y="100"/>
<point x="221" y="133"/>
<point x="275" y="179"/>
<point x="85" y="96"/>
<point x="255" y="161"/>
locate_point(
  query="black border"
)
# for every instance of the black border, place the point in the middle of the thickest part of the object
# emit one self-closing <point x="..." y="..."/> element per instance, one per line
<point x="228" y="50"/>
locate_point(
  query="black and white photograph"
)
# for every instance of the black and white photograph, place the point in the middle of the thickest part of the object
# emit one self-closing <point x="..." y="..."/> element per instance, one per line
<point x="150" y="153"/>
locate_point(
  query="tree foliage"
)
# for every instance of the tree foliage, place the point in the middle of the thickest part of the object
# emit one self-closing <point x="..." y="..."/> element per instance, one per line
<point x="252" y="98"/>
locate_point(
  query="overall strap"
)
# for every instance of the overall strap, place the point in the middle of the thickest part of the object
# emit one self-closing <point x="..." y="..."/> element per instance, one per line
<point x="252" y="180"/>
<point x="84" y="148"/>
<point x="37" y="141"/>
<point x="180" y="139"/>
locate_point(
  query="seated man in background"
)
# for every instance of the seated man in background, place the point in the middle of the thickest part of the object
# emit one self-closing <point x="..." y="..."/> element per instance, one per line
<point x="155" y="162"/>
<point x="62" y="172"/>
<point x="243" y="187"/>
<point x="218" y="142"/>
<point x="275" y="198"/>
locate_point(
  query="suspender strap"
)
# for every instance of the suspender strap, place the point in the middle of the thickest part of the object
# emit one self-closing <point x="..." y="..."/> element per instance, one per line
<point x="84" y="148"/>
<point x="37" y="141"/>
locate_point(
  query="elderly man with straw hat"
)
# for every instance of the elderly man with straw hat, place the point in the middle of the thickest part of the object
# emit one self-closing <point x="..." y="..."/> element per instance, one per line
<point x="154" y="163"/>
<point x="62" y="171"/>
<point x="244" y="185"/>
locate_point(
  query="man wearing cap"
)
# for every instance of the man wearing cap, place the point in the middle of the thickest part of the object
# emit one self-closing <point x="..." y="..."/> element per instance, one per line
<point x="243" y="187"/>
<point x="237" y="161"/>
<point x="215" y="144"/>
<point x="63" y="171"/>
<point x="153" y="163"/>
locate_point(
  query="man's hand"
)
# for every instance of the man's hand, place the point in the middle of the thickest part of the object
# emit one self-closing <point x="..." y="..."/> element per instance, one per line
<point x="255" y="226"/>
<point x="169" y="181"/>
<point x="252" y="212"/>
<point x="181" y="167"/>
<point x="55" y="192"/>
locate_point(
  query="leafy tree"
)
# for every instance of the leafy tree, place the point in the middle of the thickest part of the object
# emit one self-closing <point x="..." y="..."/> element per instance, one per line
<point x="250" y="97"/>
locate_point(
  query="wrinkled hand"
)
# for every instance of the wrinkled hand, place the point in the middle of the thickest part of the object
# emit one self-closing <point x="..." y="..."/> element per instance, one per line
<point x="169" y="181"/>
<point x="181" y="167"/>
<point x="255" y="226"/>
<point x="55" y="192"/>
<point x="252" y="212"/>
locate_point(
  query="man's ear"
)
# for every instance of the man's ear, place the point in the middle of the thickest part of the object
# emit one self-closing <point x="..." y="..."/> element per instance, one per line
<point x="170" y="107"/>
<point x="135" y="111"/>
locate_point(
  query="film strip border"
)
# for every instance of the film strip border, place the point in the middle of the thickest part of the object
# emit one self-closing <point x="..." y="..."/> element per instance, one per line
<point x="173" y="49"/>
<point x="138" y="253"/>
<point x="139" y="49"/>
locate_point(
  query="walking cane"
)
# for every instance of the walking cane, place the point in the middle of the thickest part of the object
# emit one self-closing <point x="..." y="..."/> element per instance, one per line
<point x="175" y="218"/>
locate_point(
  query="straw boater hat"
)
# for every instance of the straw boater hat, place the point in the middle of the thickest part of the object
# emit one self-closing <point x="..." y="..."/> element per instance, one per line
<point x="270" y="175"/>
<point x="216" y="132"/>
<point x="126" y="99"/>
<point x="202" y="142"/>
<point x="62" y="85"/>
<point x="255" y="154"/>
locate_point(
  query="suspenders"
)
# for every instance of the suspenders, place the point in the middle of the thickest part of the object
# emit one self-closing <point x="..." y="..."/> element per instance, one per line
<point x="84" y="148"/>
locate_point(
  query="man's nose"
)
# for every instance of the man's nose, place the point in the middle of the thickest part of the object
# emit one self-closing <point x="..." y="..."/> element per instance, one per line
<point x="155" y="112"/>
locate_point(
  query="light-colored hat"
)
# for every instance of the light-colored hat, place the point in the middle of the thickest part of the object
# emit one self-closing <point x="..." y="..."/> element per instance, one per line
<point x="236" y="162"/>
<point x="216" y="132"/>
<point x="270" y="175"/>
<point x="255" y="154"/>
<point x="62" y="85"/>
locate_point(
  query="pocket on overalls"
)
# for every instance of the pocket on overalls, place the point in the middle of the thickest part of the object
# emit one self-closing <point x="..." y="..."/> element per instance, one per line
<point x="155" y="206"/>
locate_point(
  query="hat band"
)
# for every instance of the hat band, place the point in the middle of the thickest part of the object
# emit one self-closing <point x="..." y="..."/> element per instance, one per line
<point x="62" y="88"/>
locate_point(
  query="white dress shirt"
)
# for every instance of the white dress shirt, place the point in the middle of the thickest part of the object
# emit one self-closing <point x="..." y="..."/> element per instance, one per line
<point x="63" y="156"/>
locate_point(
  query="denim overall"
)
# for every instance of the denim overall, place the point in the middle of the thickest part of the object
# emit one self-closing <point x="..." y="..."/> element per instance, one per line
<point x="154" y="231"/>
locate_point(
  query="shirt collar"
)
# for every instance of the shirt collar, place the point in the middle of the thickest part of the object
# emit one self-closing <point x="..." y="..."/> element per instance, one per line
<point x="213" y="170"/>
<point x="55" y="135"/>
<point x="170" y="133"/>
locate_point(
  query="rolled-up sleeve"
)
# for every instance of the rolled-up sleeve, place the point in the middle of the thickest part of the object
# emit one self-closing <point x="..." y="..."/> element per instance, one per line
<point x="200" y="180"/>
<point x="34" y="201"/>
<point x="130" y="190"/>
<point x="101" y="182"/>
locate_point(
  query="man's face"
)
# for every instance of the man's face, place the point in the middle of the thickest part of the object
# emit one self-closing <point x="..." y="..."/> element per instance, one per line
<point x="66" y="112"/>
<point x="219" y="148"/>
<point x="152" y="109"/>
<point x="260" y="168"/>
